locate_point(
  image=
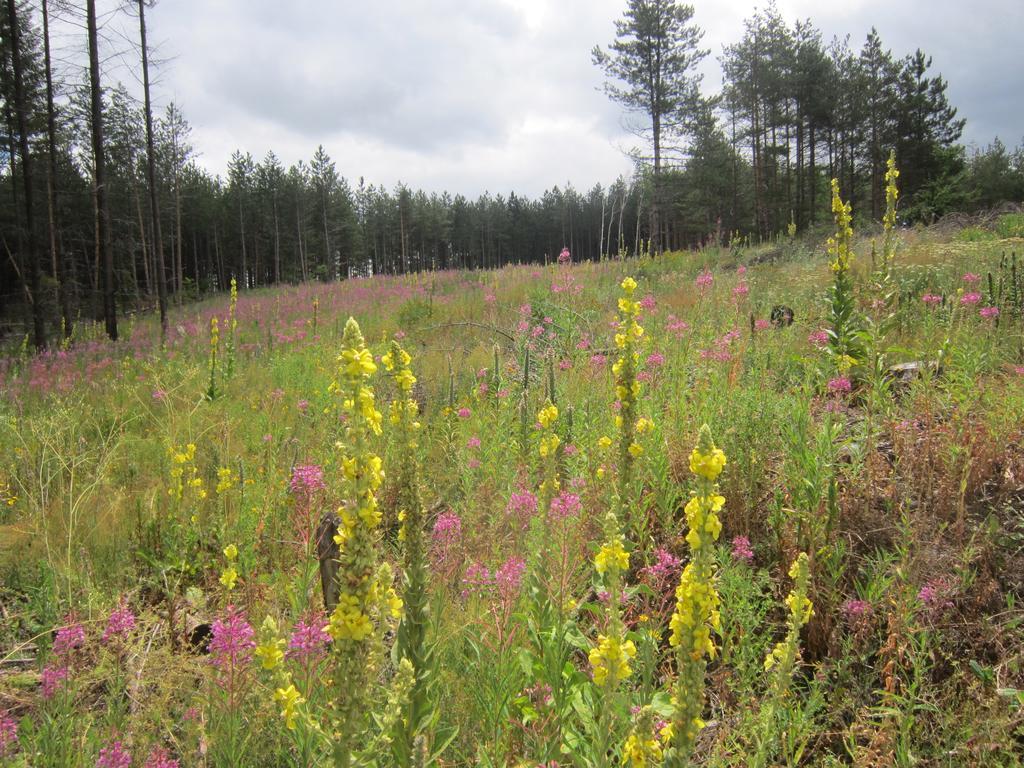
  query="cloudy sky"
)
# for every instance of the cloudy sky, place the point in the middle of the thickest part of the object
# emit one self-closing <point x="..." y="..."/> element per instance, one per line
<point x="468" y="95"/>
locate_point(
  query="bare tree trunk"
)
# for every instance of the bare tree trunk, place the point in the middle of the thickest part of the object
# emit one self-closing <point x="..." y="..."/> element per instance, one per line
<point x="142" y="235"/>
<point x="104" y="244"/>
<point x="21" y="108"/>
<point x="63" y="295"/>
<point x="158" y="245"/>
<point x="277" y="243"/>
<point x="244" y="282"/>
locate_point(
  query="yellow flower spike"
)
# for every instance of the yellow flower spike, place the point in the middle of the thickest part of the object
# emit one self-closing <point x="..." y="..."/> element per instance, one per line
<point x="289" y="698"/>
<point x="628" y="285"/>
<point x="548" y="415"/>
<point x="228" y="577"/>
<point x="231" y="552"/>
<point x="611" y="556"/>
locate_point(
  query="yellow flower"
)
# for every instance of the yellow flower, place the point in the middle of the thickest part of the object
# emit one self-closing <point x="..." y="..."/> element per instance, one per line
<point x="228" y="577"/>
<point x="707" y="465"/>
<point x="604" y="442"/>
<point x="611" y="658"/>
<point x="270" y="653"/>
<point x="548" y="415"/>
<point x="629" y="285"/>
<point x="231" y="552"/>
<point x="611" y="555"/>
<point x="289" y="698"/>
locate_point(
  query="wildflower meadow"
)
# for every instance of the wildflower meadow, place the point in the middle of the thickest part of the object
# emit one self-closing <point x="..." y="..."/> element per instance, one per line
<point x="751" y="505"/>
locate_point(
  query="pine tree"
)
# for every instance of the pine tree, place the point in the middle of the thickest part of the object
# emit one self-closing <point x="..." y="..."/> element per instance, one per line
<point x="651" y="64"/>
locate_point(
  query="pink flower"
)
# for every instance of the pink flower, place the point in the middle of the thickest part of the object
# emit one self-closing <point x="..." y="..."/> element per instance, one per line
<point x="465" y="413"/>
<point x="525" y="309"/>
<point x="521" y="506"/>
<point x="159" y="394"/>
<point x="490" y="298"/>
<point x="302" y="405"/>
<point x="935" y="594"/>
<point x="476" y="579"/>
<point x="677" y="326"/>
<point x="114" y="756"/>
<point x="598" y="360"/>
<point x="855" y="610"/>
<point x="741" y="550"/>
<point x="818" y="338"/>
<point x="970" y="299"/>
<point x="231" y="642"/>
<point x="761" y="324"/>
<point x="931" y="299"/>
<point x="473" y="443"/>
<point x="648" y="303"/>
<point x="120" y="623"/>
<point x="655" y="360"/>
<point x="565" y="257"/>
<point x="50" y="679"/>
<point x="69" y="637"/>
<point x="565" y="505"/>
<point x="307" y="479"/>
<point x="704" y="279"/>
<point x="8" y="735"/>
<point x="665" y="567"/>
<point x="473" y="464"/>
<point x="989" y="312"/>
<point x="840" y="384"/>
<point x="970" y="278"/>
<point x="741" y="270"/>
<point x="509" y="577"/>
<point x="1019" y="370"/>
<point x="309" y="639"/>
<point x="741" y="290"/>
<point x="447" y="528"/>
<point x="160" y="758"/>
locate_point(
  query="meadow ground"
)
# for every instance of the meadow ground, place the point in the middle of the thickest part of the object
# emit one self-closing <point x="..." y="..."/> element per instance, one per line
<point x="158" y="517"/>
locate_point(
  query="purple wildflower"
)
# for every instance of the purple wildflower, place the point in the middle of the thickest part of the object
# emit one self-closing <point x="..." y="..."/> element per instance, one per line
<point x="989" y="312"/>
<point x="69" y="637"/>
<point x="160" y="758"/>
<point x="741" y="550"/>
<point x="465" y="413"/>
<point x="840" y="384"/>
<point x="521" y="506"/>
<point x="970" y="299"/>
<point x="308" y="640"/>
<point x="665" y="567"/>
<point x="232" y="643"/>
<point x="931" y="299"/>
<point x="114" y="756"/>
<point x="565" y="505"/>
<point x="704" y="279"/>
<point x="50" y="679"/>
<point x="856" y="611"/>
<point x="818" y="338"/>
<point x="120" y="623"/>
<point x="509" y="577"/>
<point x="8" y="735"/>
<point x="306" y="480"/>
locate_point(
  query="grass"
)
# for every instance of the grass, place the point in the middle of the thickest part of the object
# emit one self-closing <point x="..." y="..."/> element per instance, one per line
<point x="906" y="497"/>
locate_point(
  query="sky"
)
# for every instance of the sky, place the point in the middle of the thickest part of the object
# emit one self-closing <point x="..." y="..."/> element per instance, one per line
<point x="501" y="95"/>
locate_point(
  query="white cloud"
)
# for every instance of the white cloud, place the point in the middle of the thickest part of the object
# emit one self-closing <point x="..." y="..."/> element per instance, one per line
<point x="468" y="95"/>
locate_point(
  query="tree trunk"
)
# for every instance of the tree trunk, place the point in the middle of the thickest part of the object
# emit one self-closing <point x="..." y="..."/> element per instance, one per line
<point x="21" y="108"/>
<point x="104" y="244"/>
<point x="63" y="294"/>
<point x="277" y="244"/>
<point x="158" y="245"/>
